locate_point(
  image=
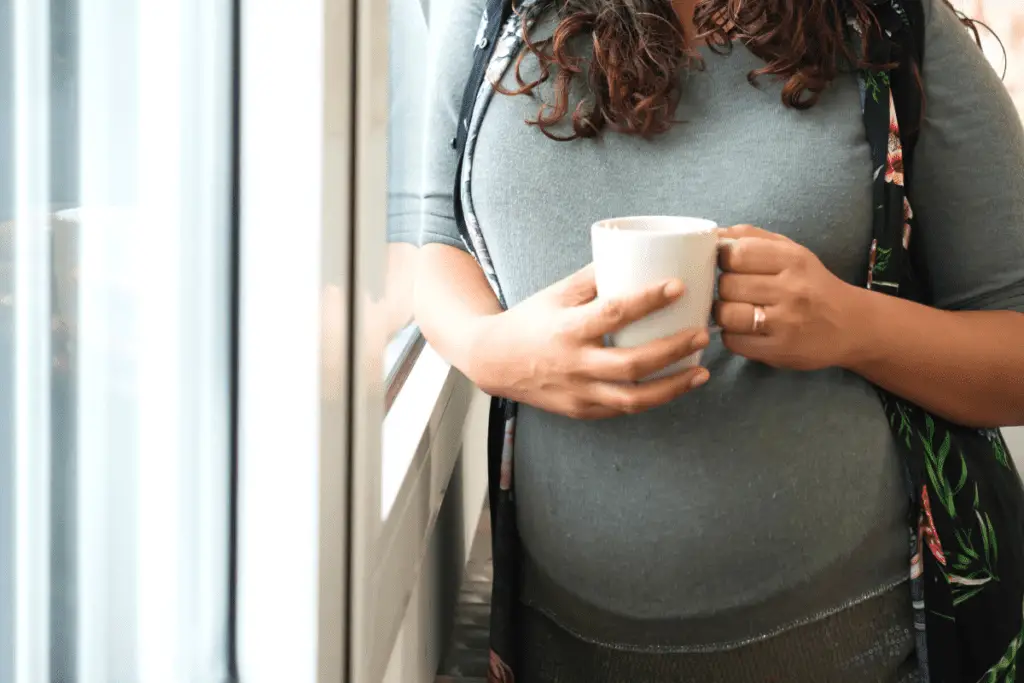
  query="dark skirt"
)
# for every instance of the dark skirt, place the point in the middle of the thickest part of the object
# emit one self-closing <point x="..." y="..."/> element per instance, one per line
<point x="871" y="642"/>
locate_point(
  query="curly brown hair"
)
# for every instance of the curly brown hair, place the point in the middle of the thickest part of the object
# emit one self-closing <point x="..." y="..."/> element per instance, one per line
<point x="639" y="47"/>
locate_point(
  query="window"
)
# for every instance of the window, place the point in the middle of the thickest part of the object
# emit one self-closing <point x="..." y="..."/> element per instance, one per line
<point x="295" y="339"/>
<point x="413" y="383"/>
<point x="115" y="340"/>
<point x="407" y="75"/>
<point x="401" y="472"/>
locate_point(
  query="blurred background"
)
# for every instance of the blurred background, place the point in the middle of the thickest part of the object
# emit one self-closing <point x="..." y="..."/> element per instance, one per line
<point x="226" y="453"/>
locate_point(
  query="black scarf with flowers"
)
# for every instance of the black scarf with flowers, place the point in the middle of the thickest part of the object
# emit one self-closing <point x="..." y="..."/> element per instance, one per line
<point x="967" y="566"/>
<point x="966" y="526"/>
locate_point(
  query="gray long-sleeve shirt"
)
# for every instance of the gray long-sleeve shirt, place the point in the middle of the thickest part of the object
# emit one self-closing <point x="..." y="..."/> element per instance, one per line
<point x="769" y="496"/>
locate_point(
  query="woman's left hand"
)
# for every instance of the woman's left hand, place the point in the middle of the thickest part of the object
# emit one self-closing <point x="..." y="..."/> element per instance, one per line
<point x="808" y="322"/>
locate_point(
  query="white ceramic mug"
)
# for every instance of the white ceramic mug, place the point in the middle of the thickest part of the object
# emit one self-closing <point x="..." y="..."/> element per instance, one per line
<point x="633" y="252"/>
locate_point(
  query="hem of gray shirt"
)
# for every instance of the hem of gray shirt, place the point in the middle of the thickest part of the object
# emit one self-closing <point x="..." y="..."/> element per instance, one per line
<point x="432" y="237"/>
<point x="726" y="630"/>
<point x="404" y="237"/>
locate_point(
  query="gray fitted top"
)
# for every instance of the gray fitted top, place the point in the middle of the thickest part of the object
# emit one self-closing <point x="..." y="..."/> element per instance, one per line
<point x="768" y="497"/>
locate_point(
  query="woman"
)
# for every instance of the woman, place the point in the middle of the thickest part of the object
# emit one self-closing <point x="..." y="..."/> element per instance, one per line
<point x="745" y="521"/>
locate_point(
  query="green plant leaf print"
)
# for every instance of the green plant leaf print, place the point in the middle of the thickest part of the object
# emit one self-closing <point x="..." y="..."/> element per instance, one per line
<point x="875" y="82"/>
<point x="992" y="539"/>
<point x="935" y="464"/>
<point x="1000" y="451"/>
<point x="882" y="260"/>
<point x="995" y="438"/>
<point x="973" y="570"/>
<point x="905" y="430"/>
<point x="1005" y="670"/>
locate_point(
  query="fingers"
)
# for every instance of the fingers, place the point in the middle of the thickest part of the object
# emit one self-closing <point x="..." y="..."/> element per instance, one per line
<point x="738" y="231"/>
<point x="751" y="289"/>
<point x="633" y="365"/>
<point x="579" y="288"/>
<point x="630" y="399"/>
<point x="593" y="411"/>
<point x="754" y="347"/>
<point x="756" y="256"/>
<point x="601" y="317"/>
<point x="738" y="318"/>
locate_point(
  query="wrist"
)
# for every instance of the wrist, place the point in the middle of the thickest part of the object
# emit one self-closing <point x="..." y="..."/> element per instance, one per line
<point x="476" y="362"/>
<point x="861" y="318"/>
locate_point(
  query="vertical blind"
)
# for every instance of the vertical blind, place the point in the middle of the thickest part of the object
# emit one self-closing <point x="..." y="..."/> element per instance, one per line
<point x="115" y="257"/>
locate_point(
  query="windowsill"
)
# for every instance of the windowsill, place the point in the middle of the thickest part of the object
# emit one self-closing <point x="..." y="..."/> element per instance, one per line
<point x="400" y="356"/>
<point x="397" y="350"/>
<point x="420" y="403"/>
<point x="431" y="461"/>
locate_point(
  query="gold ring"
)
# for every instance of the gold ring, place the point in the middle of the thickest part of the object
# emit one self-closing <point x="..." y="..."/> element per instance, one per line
<point x="759" y="317"/>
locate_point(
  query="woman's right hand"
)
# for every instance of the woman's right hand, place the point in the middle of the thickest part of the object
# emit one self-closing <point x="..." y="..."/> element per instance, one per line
<point x="549" y="352"/>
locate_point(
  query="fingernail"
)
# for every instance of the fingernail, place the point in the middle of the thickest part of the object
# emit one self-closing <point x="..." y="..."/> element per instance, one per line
<point x="701" y="339"/>
<point x="673" y="288"/>
<point x="699" y="379"/>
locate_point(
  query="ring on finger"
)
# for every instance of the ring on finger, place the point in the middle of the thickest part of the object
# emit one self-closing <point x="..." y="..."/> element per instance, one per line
<point x="760" y="316"/>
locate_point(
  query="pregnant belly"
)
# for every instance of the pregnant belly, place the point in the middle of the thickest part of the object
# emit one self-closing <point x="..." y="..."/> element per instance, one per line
<point x="733" y="498"/>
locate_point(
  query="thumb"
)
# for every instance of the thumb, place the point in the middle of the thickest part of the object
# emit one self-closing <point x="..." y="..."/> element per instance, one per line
<point x="577" y="289"/>
<point x="738" y="231"/>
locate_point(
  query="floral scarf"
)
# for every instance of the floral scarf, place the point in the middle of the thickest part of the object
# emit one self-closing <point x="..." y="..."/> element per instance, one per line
<point x="966" y="527"/>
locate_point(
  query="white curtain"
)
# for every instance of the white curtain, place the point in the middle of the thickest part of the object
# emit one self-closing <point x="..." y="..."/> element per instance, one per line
<point x="115" y="254"/>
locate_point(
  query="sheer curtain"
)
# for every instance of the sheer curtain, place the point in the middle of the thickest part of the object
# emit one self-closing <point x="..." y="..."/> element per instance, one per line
<point x="115" y="401"/>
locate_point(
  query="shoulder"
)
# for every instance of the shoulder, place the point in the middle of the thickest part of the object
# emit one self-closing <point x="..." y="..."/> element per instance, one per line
<point x="942" y="23"/>
<point x="453" y="26"/>
<point x="943" y="11"/>
<point x="930" y="16"/>
<point x="463" y="11"/>
<point x="951" y="52"/>
<point x="458" y="19"/>
<point x="928" y="7"/>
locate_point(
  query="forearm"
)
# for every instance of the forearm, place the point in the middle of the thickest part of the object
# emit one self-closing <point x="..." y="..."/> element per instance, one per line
<point x="966" y="366"/>
<point x="452" y="299"/>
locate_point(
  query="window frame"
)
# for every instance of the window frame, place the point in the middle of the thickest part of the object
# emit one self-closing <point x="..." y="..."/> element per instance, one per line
<point x="408" y="434"/>
<point x="403" y="369"/>
<point x="296" y="146"/>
